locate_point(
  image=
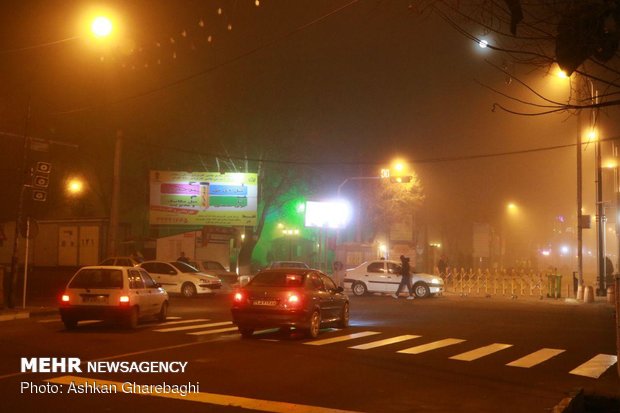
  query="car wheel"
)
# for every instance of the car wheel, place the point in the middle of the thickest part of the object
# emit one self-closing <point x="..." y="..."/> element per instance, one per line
<point x="421" y="290"/>
<point x="344" y="316"/>
<point x="163" y="312"/>
<point x="70" y="323"/>
<point x="188" y="290"/>
<point x="359" y="288"/>
<point x="246" y="332"/>
<point x="315" y="324"/>
<point x="131" y="322"/>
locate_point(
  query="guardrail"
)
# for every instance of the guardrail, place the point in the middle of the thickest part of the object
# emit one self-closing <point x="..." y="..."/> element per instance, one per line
<point x="509" y="283"/>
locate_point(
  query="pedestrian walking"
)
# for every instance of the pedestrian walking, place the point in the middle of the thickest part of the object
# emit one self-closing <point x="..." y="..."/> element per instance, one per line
<point x="339" y="274"/>
<point x="406" y="278"/>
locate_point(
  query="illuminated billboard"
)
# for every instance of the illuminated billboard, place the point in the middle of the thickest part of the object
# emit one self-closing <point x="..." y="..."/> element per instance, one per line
<point x="335" y="214"/>
<point x="202" y="198"/>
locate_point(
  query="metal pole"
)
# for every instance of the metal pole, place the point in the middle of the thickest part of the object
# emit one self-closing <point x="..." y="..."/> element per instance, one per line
<point x="26" y="262"/>
<point x="20" y="211"/>
<point x="116" y="189"/>
<point x="600" y="220"/>
<point x="579" y="205"/>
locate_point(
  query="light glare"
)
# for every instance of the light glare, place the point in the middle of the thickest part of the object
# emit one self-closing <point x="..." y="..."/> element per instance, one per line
<point x="101" y="26"/>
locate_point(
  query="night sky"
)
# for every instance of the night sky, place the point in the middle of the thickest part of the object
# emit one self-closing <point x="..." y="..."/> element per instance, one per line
<point x="346" y="91"/>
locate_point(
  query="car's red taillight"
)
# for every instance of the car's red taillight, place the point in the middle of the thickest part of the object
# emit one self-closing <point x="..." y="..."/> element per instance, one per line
<point x="64" y="299"/>
<point x="124" y="299"/>
<point x="293" y="300"/>
<point x="239" y="297"/>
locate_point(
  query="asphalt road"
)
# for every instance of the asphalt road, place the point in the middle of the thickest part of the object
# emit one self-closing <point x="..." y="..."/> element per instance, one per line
<point x="445" y="354"/>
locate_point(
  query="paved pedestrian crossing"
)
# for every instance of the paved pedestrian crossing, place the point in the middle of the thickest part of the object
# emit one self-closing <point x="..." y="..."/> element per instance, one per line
<point x="592" y="368"/>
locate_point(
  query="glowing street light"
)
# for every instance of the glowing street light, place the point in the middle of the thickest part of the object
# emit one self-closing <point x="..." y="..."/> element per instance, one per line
<point x="75" y="186"/>
<point x="512" y="208"/>
<point x="101" y="26"/>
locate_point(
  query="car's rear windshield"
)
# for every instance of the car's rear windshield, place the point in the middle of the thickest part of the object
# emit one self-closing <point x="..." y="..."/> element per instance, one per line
<point x="98" y="278"/>
<point x="278" y="279"/>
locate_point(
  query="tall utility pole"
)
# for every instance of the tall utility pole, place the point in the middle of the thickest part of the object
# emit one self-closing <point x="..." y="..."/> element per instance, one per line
<point x="579" y="205"/>
<point x="116" y="189"/>
<point x="20" y="212"/>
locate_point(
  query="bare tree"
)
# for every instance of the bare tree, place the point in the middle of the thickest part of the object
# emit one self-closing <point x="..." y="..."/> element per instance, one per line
<point x="579" y="36"/>
<point x="388" y="203"/>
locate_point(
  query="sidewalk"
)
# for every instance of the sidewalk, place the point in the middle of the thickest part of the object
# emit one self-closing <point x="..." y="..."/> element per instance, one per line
<point x="598" y="300"/>
<point x="35" y="307"/>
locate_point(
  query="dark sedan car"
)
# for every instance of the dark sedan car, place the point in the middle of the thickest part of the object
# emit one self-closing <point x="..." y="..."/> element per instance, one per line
<point x="290" y="297"/>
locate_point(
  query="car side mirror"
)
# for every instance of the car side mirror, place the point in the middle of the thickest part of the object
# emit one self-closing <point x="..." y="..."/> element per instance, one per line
<point x="156" y="285"/>
<point x="339" y="290"/>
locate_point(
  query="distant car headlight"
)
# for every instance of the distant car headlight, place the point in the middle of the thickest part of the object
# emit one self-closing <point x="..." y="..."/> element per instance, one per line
<point x="437" y="281"/>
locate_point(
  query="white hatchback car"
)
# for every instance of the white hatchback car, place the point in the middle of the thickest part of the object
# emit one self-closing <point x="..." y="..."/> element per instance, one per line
<point x="383" y="276"/>
<point x="112" y="293"/>
<point x="181" y="278"/>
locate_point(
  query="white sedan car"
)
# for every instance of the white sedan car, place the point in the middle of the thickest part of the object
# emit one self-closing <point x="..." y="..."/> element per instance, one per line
<point x="179" y="277"/>
<point x="383" y="276"/>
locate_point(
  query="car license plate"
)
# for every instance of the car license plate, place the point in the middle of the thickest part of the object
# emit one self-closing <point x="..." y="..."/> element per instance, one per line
<point x="99" y="299"/>
<point x="265" y="302"/>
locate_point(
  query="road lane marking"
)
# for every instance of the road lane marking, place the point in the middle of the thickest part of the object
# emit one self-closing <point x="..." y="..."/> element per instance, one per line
<point x="536" y="357"/>
<point x="341" y="338"/>
<point x="386" y="342"/>
<point x="218" y="330"/>
<point x="596" y="366"/>
<point x="431" y="346"/>
<point x="195" y="327"/>
<point x="481" y="352"/>
<point x="50" y="320"/>
<point x="172" y="323"/>
<point x="207" y="398"/>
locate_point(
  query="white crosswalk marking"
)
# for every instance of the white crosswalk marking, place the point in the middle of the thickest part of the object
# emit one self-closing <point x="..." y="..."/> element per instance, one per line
<point x="481" y="352"/>
<point x="49" y="320"/>
<point x="194" y="327"/>
<point x="386" y="342"/>
<point x="596" y="366"/>
<point x="218" y="330"/>
<point x="341" y="338"/>
<point x="536" y="357"/>
<point x="431" y="346"/>
<point x="171" y="323"/>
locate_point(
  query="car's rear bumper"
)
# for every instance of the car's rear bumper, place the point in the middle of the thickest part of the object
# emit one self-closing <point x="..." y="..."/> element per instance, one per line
<point x="249" y="317"/>
<point x="83" y="312"/>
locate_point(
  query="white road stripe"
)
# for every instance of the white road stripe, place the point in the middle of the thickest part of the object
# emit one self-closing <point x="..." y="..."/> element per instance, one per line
<point x="341" y="338"/>
<point x="431" y="346"/>
<point x="536" y="357"/>
<point x="207" y="398"/>
<point x="596" y="366"/>
<point x="170" y="323"/>
<point x="195" y="327"/>
<point x="218" y="330"/>
<point x="386" y="342"/>
<point x="481" y="352"/>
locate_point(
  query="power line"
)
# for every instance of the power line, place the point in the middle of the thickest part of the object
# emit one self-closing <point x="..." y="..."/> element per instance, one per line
<point x="218" y="66"/>
<point x="342" y="162"/>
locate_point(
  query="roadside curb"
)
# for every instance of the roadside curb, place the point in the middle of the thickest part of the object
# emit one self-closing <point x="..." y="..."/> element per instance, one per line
<point x="11" y="315"/>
